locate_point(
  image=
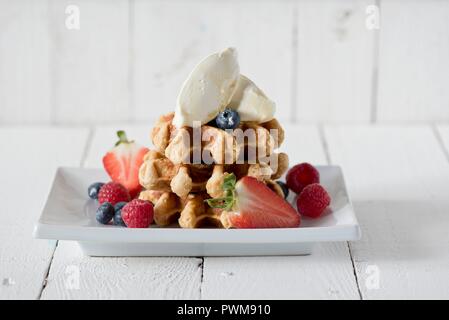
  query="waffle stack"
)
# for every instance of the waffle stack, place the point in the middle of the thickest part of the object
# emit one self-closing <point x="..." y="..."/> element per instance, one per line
<point x="177" y="185"/>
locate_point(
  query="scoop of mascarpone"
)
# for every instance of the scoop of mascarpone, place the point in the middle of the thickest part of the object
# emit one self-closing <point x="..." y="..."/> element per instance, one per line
<point x="251" y="103"/>
<point x="208" y="89"/>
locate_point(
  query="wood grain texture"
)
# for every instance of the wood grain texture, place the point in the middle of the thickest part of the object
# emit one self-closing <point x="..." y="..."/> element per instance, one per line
<point x="171" y="37"/>
<point x="326" y="274"/>
<point x="30" y="156"/>
<point x="303" y="143"/>
<point x="335" y="61"/>
<point x="24" y="62"/>
<point x="120" y="278"/>
<point x="316" y="59"/>
<point x="413" y="64"/>
<point x="90" y="65"/>
<point x="443" y="135"/>
<point x="397" y="178"/>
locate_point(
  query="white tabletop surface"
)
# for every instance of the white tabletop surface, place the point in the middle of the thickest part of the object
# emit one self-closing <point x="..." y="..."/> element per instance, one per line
<point x="397" y="177"/>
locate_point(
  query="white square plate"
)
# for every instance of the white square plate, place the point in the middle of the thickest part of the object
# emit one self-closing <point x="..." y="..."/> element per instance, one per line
<point x="70" y="215"/>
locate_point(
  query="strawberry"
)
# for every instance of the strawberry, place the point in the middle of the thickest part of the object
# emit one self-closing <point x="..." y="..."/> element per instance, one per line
<point x="113" y="193"/>
<point x="138" y="214"/>
<point x="122" y="163"/>
<point x="249" y="203"/>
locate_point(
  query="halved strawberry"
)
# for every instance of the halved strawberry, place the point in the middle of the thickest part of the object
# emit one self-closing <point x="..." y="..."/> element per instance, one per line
<point x="249" y="203"/>
<point x="122" y="163"/>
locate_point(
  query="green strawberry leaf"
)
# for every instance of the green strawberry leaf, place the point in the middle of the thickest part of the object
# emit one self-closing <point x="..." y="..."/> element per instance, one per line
<point x="229" y="182"/>
<point x="226" y="202"/>
<point x="221" y="203"/>
<point x="122" y="138"/>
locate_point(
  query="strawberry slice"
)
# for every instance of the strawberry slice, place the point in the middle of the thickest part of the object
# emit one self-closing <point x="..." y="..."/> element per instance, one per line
<point x="122" y="163"/>
<point x="249" y="203"/>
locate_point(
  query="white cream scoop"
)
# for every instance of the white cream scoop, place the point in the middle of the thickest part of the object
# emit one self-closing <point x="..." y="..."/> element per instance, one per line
<point x="251" y="103"/>
<point x="208" y="89"/>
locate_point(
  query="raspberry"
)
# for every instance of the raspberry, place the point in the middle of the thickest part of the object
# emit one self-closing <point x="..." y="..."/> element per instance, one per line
<point x="113" y="193"/>
<point x="138" y="214"/>
<point x="313" y="200"/>
<point x="301" y="175"/>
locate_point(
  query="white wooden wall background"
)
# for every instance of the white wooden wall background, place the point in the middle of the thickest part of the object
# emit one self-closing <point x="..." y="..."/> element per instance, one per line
<point x="316" y="59"/>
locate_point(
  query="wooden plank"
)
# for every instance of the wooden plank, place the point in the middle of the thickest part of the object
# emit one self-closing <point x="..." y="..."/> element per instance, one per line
<point x="171" y="37"/>
<point x="120" y="278"/>
<point x="397" y="177"/>
<point x="326" y="274"/>
<point x="413" y="65"/>
<point x="30" y="156"/>
<point x="24" y="62"/>
<point x="335" y="61"/>
<point x="90" y="65"/>
<point x="443" y="135"/>
<point x="303" y="143"/>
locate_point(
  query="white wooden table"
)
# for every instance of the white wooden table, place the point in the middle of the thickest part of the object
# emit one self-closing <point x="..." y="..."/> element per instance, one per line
<point x="398" y="178"/>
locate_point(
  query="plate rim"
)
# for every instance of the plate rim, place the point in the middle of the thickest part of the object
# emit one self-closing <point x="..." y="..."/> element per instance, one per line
<point x="345" y="232"/>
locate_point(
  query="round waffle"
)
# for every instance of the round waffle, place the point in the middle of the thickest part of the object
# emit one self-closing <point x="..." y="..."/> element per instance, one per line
<point x="179" y="175"/>
<point x="160" y="174"/>
<point x="248" y="142"/>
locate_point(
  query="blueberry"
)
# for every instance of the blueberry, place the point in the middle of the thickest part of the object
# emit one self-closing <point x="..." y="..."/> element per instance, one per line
<point x="117" y="219"/>
<point x="105" y="212"/>
<point x="93" y="190"/>
<point x="227" y="119"/>
<point x="284" y="188"/>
